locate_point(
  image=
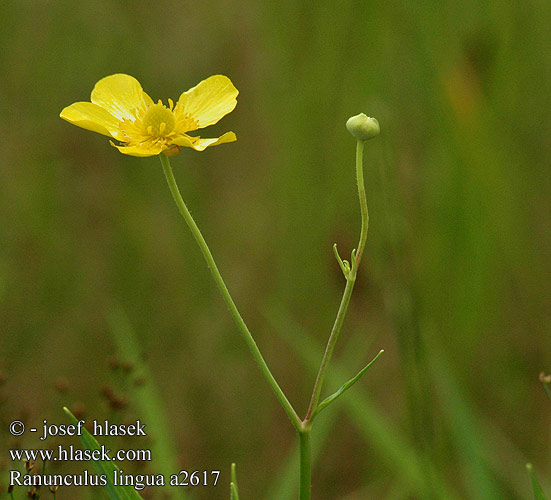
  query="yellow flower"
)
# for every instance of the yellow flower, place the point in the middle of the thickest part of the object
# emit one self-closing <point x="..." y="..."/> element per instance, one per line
<point x="122" y="110"/>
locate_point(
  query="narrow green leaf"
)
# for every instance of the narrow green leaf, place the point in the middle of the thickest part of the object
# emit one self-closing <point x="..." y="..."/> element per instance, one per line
<point x="538" y="492"/>
<point x="327" y="401"/>
<point x="105" y="467"/>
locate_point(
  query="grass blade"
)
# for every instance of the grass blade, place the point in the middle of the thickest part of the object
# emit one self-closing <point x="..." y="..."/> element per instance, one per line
<point x="105" y="467"/>
<point x="146" y="397"/>
<point x="471" y="434"/>
<point x="391" y="445"/>
<point x="234" y="492"/>
<point x="538" y="492"/>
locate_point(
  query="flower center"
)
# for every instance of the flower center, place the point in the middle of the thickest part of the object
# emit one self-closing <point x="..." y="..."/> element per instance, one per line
<point x="158" y="121"/>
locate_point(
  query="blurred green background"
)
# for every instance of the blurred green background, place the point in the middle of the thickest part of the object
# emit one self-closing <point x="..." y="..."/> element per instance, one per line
<point x="455" y="283"/>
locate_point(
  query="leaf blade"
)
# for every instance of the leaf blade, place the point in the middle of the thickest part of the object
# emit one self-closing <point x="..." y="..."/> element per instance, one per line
<point x="347" y="385"/>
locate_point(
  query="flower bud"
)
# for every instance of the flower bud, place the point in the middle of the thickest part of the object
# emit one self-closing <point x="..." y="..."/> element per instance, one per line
<point x="363" y="127"/>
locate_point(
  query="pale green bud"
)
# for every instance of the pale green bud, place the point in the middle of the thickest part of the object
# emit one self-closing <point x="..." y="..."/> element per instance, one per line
<point x="363" y="127"/>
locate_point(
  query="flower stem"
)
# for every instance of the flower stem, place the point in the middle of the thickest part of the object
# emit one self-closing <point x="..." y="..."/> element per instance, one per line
<point x="350" y="281"/>
<point x="287" y="407"/>
<point x="363" y="200"/>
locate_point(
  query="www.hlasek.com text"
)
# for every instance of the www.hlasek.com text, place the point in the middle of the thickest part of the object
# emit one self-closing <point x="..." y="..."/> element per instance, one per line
<point x="74" y="454"/>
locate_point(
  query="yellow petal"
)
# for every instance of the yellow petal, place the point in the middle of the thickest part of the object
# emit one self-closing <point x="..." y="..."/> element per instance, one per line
<point x="138" y="151"/>
<point x="209" y="100"/>
<point x="201" y="144"/>
<point x="121" y="95"/>
<point x="91" y="117"/>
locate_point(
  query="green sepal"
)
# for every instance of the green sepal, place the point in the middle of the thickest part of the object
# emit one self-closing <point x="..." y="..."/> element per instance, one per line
<point x="105" y="467"/>
<point x="327" y="401"/>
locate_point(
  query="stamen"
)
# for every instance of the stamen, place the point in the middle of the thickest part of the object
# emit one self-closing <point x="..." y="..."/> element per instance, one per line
<point x="158" y="121"/>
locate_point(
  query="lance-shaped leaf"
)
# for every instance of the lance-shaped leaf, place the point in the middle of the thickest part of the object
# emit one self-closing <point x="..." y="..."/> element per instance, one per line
<point x="105" y="467"/>
<point x="327" y="401"/>
<point x="538" y="492"/>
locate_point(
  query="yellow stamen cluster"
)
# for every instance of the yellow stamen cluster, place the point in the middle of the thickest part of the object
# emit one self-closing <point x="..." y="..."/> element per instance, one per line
<point x="156" y="124"/>
<point x="158" y="120"/>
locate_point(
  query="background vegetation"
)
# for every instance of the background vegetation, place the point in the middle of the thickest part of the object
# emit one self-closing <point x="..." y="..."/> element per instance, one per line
<point x="455" y="283"/>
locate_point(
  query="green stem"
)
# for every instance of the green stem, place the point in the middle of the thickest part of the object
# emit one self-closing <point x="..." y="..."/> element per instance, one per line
<point x="350" y="281"/>
<point x="289" y="410"/>
<point x="363" y="200"/>
<point x="305" y="483"/>
<point x="339" y="320"/>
